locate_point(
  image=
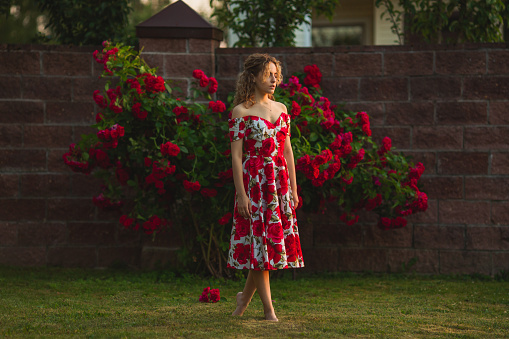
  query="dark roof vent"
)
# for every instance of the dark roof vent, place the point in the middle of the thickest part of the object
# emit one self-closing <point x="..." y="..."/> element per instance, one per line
<point x="178" y="20"/>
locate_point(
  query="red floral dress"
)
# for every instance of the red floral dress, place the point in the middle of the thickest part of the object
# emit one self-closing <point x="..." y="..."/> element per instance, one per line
<point x="269" y="239"/>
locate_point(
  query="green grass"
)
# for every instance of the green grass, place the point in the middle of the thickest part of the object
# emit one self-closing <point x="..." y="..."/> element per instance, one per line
<point x="115" y="303"/>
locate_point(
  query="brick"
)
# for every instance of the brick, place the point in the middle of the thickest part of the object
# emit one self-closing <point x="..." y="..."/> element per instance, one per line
<point x="9" y="233"/>
<point x="384" y="89"/>
<point x="164" y="45"/>
<point x="70" y="209"/>
<point x="428" y="216"/>
<point x="427" y="261"/>
<point x="497" y="62"/>
<point x="226" y="86"/>
<point x="488" y="238"/>
<point x="339" y="89"/>
<point x="462" y="163"/>
<point x="47" y="136"/>
<point x="492" y="138"/>
<point x="435" y="88"/>
<point x="363" y="259"/>
<point x="23" y="256"/>
<point x="499" y="163"/>
<point x="337" y="234"/>
<point x="500" y="262"/>
<point x="158" y="258"/>
<point x="22" y="62"/>
<point x="443" y="187"/>
<point x="72" y="257"/>
<point x="47" y="88"/>
<point x="408" y="63"/>
<point x="229" y="66"/>
<point x="71" y="64"/>
<point x="108" y="215"/>
<point x="400" y="136"/>
<point x="22" y="209"/>
<point x="487" y="188"/>
<point x="85" y="185"/>
<point x="55" y="161"/>
<point x="375" y="237"/>
<point x="128" y="237"/>
<point x="486" y="88"/>
<point x="9" y="185"/>
<point x="499" y="113"/>
<point x="357" y="64"/>
<point x="439" y="237"/>
<point x="22" y="160"/>
<point x="83" y="88"/>
<point x="376" y="111"/>
<point x="410" y="113"/>
<point x="45" y="185"/>
<point x="167" y="237"/>
<point x="79" y="131"/>
<point x="465" y="262"/>
<point x="297" y="62"/>
<point x="500" y="213"/>
<point x="119" y="257"/>
<point x="437" y="138"/>
<point x="184" y="65"/>
<point x="460" y="62"/>
<point x="464" y="212"/>
<point x="25" y="112"/>
<point x="42" y="234"/>
<point x="154" y="61"/>
<point x="202" y="45"/>
<point x="428" y="159"/>
<point x="11" y="135"/>
<point x="70" y="113"/>
<point x="462" y="113"/>
<point x="10" y="87"/>
<point x="306" y="232"/>
<point x="88" y="233"/>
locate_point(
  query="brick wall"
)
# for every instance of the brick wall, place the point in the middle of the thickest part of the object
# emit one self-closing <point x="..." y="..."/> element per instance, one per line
<point x="445" y="106"/>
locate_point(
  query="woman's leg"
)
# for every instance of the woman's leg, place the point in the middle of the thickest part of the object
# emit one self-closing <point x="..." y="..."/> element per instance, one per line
<point x="244" y="297"/>
<point x="261" y="280"/>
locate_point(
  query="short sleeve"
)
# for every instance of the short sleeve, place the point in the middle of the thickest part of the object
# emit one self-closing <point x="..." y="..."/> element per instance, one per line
<point x="237" y="129"/>
<point x="289" y="124"/>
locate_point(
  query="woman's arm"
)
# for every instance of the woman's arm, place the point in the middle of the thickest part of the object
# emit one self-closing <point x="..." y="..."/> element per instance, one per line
<point x="288" y="154"/>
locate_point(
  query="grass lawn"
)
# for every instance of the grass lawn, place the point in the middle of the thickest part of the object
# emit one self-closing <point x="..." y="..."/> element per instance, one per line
<point x="116" y="303"/>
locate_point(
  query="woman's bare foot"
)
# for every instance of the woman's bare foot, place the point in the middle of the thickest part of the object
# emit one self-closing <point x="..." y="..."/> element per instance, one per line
<point x="241" y="304"/>
<point x="271" y="317"/>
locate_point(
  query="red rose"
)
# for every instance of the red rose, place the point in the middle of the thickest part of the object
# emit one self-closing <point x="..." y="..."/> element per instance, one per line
<point x="258" y="228"/>
<point x="241" y="253"/>
<point x="191" y="186"/>
<point x="214" y="295"/>
<point x="269" y="172"/>
<point x="208" y="192"/>
<point x="255" y="193"/>
<point x="99" y="99"/>
<point x="212" y="86"/>
<point x="242" y="226"/>
<point x="126" y="221"/>
<point x="268" y="147"/>
<point x="122" y="176"/>
<point x="225" y="219"/>
<point x="198" y="74"/>
<point x="204" y="81"/>
<point x="170" y="149"/>
<point x="291" y="251"/>
<point x="295" y="109"/>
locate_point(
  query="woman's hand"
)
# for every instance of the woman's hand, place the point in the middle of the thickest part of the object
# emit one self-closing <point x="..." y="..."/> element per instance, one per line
<point x="244" y="206"/>
<point x="295" y="201"/>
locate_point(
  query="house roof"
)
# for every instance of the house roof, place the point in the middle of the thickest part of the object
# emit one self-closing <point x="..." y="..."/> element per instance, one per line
<point x="178" y="20"/>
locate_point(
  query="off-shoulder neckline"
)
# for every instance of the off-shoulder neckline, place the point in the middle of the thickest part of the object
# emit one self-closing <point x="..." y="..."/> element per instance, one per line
<point x="272" y="123"/>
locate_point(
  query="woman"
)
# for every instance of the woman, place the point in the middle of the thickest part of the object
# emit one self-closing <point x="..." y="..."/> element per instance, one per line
<point x="265" y="234"/>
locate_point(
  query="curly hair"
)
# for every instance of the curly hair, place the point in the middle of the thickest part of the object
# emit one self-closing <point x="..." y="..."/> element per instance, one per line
<point x="254" y="64"/>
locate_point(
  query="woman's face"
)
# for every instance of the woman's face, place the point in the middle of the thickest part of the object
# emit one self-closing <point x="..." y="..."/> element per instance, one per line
<point x="266" y="80"/>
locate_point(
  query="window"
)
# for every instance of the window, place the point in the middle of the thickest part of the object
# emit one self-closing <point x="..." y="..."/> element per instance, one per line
<point x="338" y="35"/>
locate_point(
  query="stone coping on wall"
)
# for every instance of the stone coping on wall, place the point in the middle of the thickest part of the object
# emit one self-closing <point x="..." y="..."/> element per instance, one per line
<point x="370" y="48"/>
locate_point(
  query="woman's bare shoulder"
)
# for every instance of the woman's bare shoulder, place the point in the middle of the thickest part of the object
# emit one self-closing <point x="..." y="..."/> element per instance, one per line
<point x="281" y="107"/>
<point x="239" y="111"/>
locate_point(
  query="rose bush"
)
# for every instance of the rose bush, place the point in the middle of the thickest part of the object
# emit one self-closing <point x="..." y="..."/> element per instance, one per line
<point x="166" y="162"/>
